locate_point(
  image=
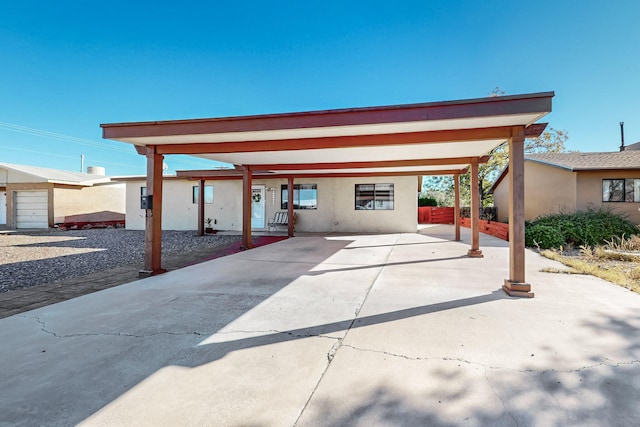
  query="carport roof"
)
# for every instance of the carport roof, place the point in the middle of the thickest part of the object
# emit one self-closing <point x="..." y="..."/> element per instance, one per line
<point x="417" y="139"/>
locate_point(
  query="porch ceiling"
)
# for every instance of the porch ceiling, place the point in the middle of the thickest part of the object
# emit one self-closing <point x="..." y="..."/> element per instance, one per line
<point x="428" y="137"/>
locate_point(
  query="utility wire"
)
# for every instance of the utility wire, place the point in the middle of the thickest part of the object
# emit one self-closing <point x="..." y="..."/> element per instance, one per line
<point x="67" y="138"/>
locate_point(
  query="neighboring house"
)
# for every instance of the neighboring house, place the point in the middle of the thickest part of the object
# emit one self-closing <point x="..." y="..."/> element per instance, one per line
<point x="376" y="204"/>
<point x="35" y="197"/>
<point x="566" y="182"/>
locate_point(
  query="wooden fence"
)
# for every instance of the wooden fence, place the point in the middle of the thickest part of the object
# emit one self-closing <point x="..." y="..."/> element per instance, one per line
<point x="435" y="215"/>
<point x="444" y="215"/>
<point x="496" y="229"/>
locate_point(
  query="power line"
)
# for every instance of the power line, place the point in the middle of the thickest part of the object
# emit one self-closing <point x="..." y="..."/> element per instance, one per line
<point x="61" y="137"/>
<point x="37" y="152"/>
<point x="68" y="157"/>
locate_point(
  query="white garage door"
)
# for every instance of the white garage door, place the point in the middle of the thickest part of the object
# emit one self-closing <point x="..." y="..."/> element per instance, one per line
<point x="31" y="209"/>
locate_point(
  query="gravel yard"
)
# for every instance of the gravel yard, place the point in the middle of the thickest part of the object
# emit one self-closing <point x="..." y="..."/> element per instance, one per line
<point x="39" y="257"/>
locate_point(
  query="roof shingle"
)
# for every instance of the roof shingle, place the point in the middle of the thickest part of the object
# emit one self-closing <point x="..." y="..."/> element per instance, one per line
<point x="589" y="161"/>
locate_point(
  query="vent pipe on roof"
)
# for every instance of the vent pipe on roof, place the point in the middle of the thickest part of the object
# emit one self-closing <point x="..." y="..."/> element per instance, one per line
<point x="81" y="162"/>
<point x="621" y="136"/>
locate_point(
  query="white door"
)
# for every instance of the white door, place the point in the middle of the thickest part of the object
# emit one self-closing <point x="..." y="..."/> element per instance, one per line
<point x="31" y="209"/>
<point x="257" y="207"/>
<point x="3" y="207"/>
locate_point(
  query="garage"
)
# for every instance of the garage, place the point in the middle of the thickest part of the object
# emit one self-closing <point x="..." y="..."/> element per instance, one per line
<point x="31" y="209"/>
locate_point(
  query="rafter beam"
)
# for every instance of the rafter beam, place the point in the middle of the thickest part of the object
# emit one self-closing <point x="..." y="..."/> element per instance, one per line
<point x="373" y="164"/>
<point x="431" y="137"/>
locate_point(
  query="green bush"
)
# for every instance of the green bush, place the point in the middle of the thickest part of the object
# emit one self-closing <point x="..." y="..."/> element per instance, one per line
<point x="590" y="228"/>
<point x="544" y="236"/>
<point x="427" y="201"/>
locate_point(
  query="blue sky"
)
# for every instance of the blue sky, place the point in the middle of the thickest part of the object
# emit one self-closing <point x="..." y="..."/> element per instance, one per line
<point x="69" y="66"/>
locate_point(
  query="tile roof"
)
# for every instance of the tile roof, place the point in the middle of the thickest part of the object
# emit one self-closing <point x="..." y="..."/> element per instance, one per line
<point x="589" y="161"/>
<point x="57" y="176"/>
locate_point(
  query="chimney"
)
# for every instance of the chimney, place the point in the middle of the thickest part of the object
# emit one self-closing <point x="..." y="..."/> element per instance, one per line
<point x="621" y="136"/>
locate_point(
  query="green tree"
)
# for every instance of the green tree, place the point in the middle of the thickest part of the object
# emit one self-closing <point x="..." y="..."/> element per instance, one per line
<point x="442" y="189"/>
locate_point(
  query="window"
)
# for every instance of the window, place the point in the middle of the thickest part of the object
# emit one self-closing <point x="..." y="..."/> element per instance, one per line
<point x="374" y="196"/>
<point x="621" y="190"/>
<point x="208" y="194"/>
<point x="305" y="196"/>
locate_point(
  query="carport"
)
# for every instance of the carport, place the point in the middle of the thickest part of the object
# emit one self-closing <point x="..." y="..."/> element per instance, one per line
<point x="436" y="138"/>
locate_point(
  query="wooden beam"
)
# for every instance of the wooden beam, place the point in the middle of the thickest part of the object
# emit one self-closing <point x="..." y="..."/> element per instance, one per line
<point x="153" y="221"/>
<point x="370" y="164"/>
<point x="535" y="130"/>
<point x="489" y="107"/>
<point x="290" y="227"/>
<point x="286" y="175"/>
<point x="515" y="285"/>
<point x="428" y="137"/>
<point x="201" y="207"/>
<point x="246" y="207"/>
<point x="456" y="205"/>
<point x="475" y="251"/>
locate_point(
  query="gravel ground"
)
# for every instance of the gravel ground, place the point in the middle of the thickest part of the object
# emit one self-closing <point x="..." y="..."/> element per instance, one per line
<point x="39" y="257"/>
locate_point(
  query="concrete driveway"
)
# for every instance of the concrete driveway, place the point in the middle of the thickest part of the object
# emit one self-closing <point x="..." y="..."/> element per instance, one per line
<point x="363" y="330"/>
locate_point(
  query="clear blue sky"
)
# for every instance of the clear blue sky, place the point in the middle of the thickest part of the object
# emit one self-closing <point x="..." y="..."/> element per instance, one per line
<point x="69" y="66"/>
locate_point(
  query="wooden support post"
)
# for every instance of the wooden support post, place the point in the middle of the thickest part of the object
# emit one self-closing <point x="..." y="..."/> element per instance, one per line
<point x="290" y="206"/>
<point x="246" y="207"/>
<point x="153" y="216"/>
<point x="456" y="205"/>
<point x="201" y="207"/>
<point x="475" y="251"/>
<point x="515" y="285"/>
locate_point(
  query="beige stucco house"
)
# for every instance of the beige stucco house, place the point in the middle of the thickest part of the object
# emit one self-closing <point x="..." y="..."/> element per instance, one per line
<point x="320" y="204"/>
<point x="566" y="182"/>
<point x="36" y="197"/>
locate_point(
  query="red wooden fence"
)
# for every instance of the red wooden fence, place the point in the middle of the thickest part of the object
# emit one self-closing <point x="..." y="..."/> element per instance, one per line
<point x="439" y="215"/>
<point x="435" y="215"/>
<point x="496" y="229"/>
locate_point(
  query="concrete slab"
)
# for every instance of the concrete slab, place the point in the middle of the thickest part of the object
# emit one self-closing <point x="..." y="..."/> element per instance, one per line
<point x="397" y="329"/>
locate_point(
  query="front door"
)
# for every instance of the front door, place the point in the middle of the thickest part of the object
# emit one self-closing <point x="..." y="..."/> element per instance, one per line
<point x="257" y="207"/>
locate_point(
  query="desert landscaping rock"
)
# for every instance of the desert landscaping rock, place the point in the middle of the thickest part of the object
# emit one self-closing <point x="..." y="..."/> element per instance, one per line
<point x="35" y="258"/>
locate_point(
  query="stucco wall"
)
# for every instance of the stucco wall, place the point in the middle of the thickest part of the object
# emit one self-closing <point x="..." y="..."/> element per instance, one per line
<point x="547" y="189"/>
<point x="73" y="200"/>
<point x="336" y="205"/>
<point x="590" y="193"/>
<point x="501" y="199"/>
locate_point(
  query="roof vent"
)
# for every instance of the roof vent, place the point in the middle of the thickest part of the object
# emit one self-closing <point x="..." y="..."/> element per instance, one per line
<point x="621" y="136"/>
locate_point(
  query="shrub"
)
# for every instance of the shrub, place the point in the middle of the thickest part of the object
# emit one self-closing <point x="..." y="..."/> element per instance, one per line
<point x="544" y="236"/>
<point x="427" y="201"/>
<point x="590" y="228"/>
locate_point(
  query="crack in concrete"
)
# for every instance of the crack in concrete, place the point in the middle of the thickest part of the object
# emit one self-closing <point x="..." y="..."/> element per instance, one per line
<point x="502" y="402"/>
<point x="43" y="328"/>
<point x="275" y="331"/>
<point x="524" y="371"/>
<point x="334" y="349"/>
